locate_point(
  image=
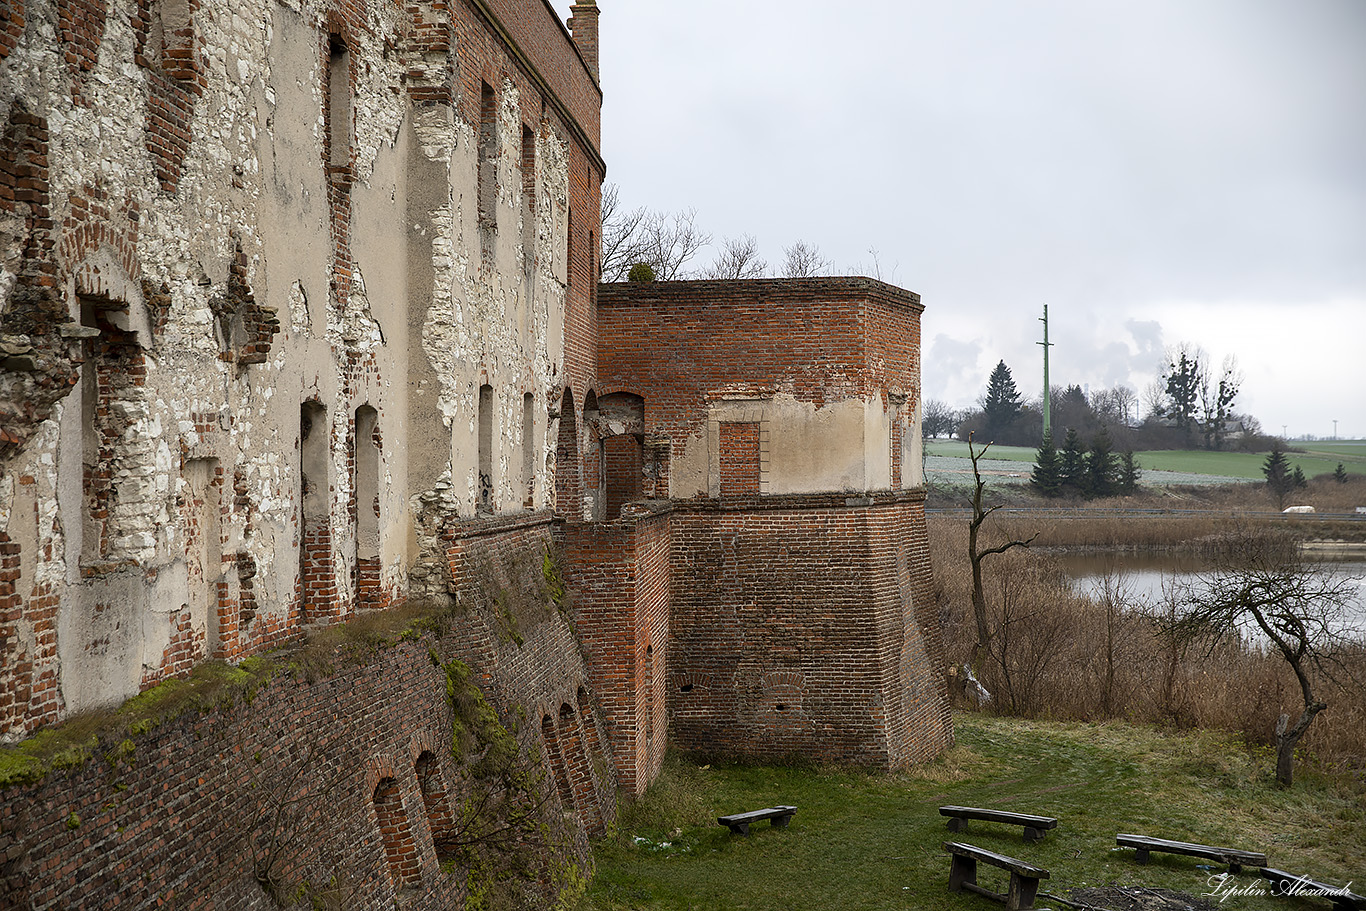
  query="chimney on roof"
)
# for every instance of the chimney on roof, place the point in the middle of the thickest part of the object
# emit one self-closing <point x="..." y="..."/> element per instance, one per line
<point x="583" y="25"/>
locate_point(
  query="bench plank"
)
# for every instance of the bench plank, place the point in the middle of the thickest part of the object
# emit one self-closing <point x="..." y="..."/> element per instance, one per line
<point x="1024" y="877"/>
<point x="739" y="822"/>
<point x="1035" y="827"/>
<point x="1289" y="884"/>
<point x="1235" y="858"/>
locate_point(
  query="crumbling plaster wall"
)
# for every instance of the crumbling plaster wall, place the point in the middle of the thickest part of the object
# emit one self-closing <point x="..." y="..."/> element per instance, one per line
<point x="498" y="319"/>
<point x="326" y="270"/>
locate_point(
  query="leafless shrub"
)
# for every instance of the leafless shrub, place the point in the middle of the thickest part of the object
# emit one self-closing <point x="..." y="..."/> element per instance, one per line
<point x="1059" y="654"/>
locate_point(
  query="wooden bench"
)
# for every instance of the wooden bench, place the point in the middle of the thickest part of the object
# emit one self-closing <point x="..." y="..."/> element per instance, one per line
<point x="1235" y="859"/>
<point x="1035" y="827"/>
<point x="1283" y="883"/>
<point x="740" y="821"/>
<point x="1024" y="878"/>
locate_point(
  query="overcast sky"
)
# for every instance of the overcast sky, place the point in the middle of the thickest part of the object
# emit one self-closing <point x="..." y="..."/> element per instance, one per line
<point x="1156" y="171"/>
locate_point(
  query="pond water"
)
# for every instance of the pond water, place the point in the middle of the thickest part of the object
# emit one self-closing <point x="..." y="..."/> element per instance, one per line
<point x="1142" y="576"/>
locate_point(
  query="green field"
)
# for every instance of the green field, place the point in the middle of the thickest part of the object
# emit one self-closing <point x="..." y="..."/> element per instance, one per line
<point x="866" y="841"/>
<point x="1317" y="458"/>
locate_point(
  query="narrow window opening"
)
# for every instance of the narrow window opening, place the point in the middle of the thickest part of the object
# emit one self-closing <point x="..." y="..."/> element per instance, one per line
<point x="315" y="539"/>
<point x="435" y="802"/>
<point x="486" y="499"/>
<point x="366" y="508"/>
<point x="529" y="450"/>
<point x="338" y="102"/>
<point x="399" y="848"/>
<point x="92" y="526"/>
<point x="112" y="394"/>
<point x="552" y="747"/>
<point x="567" y="502"/>
<point x="569" y="255"/>
<point x="529" y="167"/>
<point x="649" y="699"/>
<point x="488" y="158"/>
<point x="204" y="560"/>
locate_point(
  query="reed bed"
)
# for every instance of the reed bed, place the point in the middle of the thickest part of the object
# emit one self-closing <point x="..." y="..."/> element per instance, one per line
<point x="1063" y="656"/>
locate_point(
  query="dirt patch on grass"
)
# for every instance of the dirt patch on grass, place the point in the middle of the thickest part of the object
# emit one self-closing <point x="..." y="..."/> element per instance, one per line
<point x="1134" y="898"/>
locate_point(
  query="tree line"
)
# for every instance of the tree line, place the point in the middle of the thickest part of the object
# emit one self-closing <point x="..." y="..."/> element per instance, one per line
<point x="643" y="244"/>
<point x="1187" y="407"/>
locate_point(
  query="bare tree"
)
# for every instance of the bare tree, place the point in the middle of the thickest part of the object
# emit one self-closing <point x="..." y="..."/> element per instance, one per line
<point x="739" y="258"/>
<point x="620" y="235"/>
<point x="937" y="419"/>
<point x="875" y="270"/>
<point x="803" y="260"/>
<point x="1113" y="406"/>
<point x="1262" y="587"/>
<point x="976" y="555"/>
<point x="1155" y="398"/>
<point x="666" y="242"/>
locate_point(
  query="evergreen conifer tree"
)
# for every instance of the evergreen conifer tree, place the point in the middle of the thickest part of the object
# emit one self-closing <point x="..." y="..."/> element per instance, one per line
<point x="1298" y="477"/>
<point x="1001" y="404"/>
<point x="1340" y="474"/>
<point x="1128" y="472"/>
<point x="1073" y="463"/>
<point x="1276" y="470"/>
<point x="1047" y="477"/>
<point x="1100" y="466"/>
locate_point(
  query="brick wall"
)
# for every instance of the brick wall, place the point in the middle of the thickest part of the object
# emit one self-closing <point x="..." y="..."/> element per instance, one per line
<point x="349" y="769"/>
<point x="681" y="345"/>
<point x="801" y="626"/>
<point x="619" y="574"/>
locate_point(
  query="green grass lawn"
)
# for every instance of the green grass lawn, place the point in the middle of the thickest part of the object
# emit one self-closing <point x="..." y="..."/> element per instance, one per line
<point x="1318" y="458"/>
<point x="958" y="449"/>
<point x="872" y="841"/>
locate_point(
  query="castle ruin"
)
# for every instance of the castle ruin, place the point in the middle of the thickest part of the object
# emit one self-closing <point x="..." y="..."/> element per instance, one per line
<point x="300" y="326"/>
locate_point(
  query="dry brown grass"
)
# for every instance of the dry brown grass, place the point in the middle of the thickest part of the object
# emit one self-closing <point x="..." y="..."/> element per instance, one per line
<point x="1061" y="656"/>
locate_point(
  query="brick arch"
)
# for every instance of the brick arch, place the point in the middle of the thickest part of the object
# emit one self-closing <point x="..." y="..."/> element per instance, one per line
<point x="380" y="766"/>
<point x="579" y="769"/>
<point x="96" y="235"/>
<point x="592" y="736"/>
<point x="436" y="802"/>
<point x="550" y="736"/>
<point x="423" y="741"/>
<point x="567" y="469"/>
<point x="396" y="834"/>
<point x="590" y="455"/>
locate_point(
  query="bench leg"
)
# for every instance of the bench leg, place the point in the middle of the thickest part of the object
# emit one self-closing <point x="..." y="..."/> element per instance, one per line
<point x="1235" y="868"/>
<point x="1023" y="889"/>
<point x="1141" y="855"/>
<point x="780" y="822"/>
<point x="1033" y="834"/>
<point x="739" y="828"/>
<point x="956" y="824"/>
<point x="961" y="871"/>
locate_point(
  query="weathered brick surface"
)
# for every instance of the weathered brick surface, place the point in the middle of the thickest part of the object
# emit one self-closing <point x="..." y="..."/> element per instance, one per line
<point x="620" y="577"/>
<point x="351" y="772"/>
<point x="795" y="633"/>
<point x="797" y="624"/>
<point x="682" y="345"/>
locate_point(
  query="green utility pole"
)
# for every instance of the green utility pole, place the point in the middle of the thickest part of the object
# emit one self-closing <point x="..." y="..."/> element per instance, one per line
<point x="1047" y="392"/>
